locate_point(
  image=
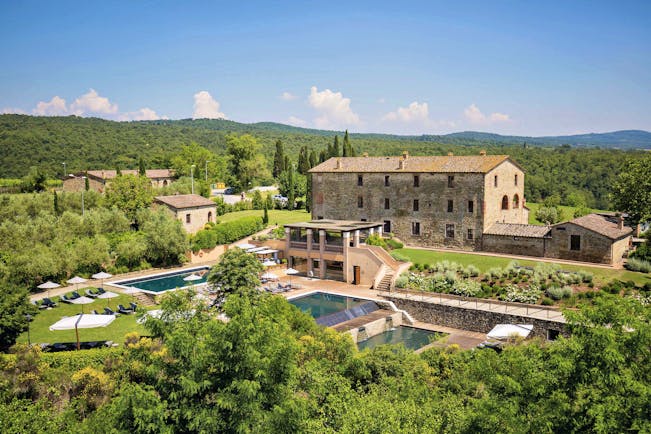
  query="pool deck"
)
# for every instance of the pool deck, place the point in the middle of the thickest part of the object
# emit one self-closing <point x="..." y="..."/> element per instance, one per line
<point x="465" y="339"/>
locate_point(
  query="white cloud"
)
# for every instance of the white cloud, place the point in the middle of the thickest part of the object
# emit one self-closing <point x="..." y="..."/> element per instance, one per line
<point x="475" y="116"/>
<point x="381" y="100"/>
<point x="297" y="122"/>
<point x="144" y="114"/>
<point x="333" y="109"/>
<point x="287" y="96"/>
<point x="55" y="107"/>
<point x="206" y="107"/>
<point x="12" y="110"/>
<point x="415" y="112"/>
<point x="91" y="102"/>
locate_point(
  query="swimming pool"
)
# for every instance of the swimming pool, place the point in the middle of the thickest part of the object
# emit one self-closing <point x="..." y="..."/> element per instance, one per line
<point x="161" y="282"/>
<point x="331" y="309"/>
<point x="412" y="338"/>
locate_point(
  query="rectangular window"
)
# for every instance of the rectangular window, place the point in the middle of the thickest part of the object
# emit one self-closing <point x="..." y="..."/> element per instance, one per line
<point x="471" y="206"/>
<point x="450" y="181"/>
<point x="415" y="228"/>
<point x="516" y="179"/>
<point x="471" y="235"/>
<point x="495" y="181"/>
<point x="360" y="180"/>
<point x="319" y="217"/>
<point x="360" y="202"/>
<point x="575" y="242"/>
<point x="449" y="231"/>
<point x="386" y="203"/>
<point x="319" y="177"/>
<point x="416" y="205"/>
<point x="387" y="226"/>
<point x="416" y="181"/>
<point x="187" y="218"/>
<point x="450" y="205"/>
<point x="386" y="181"/>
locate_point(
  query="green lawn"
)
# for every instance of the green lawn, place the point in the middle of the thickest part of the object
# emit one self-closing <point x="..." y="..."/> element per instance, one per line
<point x="566" y="211"/>
<point x="276" y="216"/>
<point x="484" y="262"/>
<point x="40" y="332"/>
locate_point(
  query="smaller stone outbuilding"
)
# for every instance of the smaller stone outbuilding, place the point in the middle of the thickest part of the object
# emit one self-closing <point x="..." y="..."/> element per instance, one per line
<point x="192" y="210"/>
<point x="517" y="239"/>
<point x="592" y="238"/>
<point x="99" y="179"/>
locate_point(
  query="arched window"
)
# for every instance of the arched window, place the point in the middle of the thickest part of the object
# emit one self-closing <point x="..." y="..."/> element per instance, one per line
<point x="505" y="202"/>
<point x="165" y="183"/>
<point x="210" y="216"/>
<point x="516" y="201"/>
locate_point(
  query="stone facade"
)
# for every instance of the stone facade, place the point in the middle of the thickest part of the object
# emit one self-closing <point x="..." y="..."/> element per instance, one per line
<point x="473" y="320"/>
<point x="192" y="210"/>
<point x="99" y="179"/>
<point x="513" y="245"/>
<point x="436" y="204"/>
<point x="589" y="246"/>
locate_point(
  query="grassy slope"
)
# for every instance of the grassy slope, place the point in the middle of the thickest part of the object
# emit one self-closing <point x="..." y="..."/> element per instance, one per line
<point x="279" y="217"/>
<point x="483" y="262"/>
<point x="40" y="332"/>
<point x="567" y="211"/>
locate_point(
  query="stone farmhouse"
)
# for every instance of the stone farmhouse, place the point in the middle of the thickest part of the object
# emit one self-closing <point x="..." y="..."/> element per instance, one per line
<point x="464" y="202"/>
<point x="98" y="179"/>
<point x="192" y="210"/>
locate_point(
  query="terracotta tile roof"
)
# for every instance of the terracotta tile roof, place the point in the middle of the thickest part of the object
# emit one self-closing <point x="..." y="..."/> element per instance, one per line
<point x="518" y="230"/>
<point x="181" y="201"/>
<point x="440" y="164"/>
<point x="604" y="224"/>
<point x="110" y="174"/>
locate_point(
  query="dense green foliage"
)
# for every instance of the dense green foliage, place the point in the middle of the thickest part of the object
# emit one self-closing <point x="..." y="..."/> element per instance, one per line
<point x="38" y="243"/>
<point x="88" y="143"/>
<point x="14" y="311"/>
<point x="225" y="233"/>
<point x="632" y="189"/>
<point x="236" y="273"/>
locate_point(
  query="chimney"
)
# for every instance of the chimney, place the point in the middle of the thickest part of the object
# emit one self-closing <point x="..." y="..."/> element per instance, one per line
<point x="338" y="166"/>
<point x="450" y="154"/>
<point x="620" y="223"/>
<point x="482" y="152"/>
<point x="401" y="164"/>
<point x="405" y="155"/>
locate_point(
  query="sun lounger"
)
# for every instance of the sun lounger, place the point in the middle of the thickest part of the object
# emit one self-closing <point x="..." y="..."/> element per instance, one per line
<point x="134" y="306"/>
<point x="47" y="302"/>
<point x="124" y="310"/>
<point x="100" y="290"/>
<point x="90" y="293"/>
<point x="74" y="295"/>
<point x="109" y="311"/>
<point x="94" y="312"/>
<point x="64" y="298"/>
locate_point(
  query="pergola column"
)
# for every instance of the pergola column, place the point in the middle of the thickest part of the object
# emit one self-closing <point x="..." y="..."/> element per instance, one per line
<point x="287" y="246"/>
<point x="356" y="238"/>
<point x="322" y="265"/>
<point x="309" y="249"/>
<point x="346" y="245"/>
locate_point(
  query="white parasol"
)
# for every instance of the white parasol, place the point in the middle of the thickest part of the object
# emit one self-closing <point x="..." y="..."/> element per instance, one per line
<point x="290" y="272"/>
<point x="269" y="276"/>
<point x="48" y="285"/>
<point x="101" y="276"/>
<point x="82" y="321"/>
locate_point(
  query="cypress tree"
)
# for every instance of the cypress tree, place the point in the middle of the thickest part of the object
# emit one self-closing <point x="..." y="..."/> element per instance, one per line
<point x="118" y="172"/>
<point x="56" y="204"/>
<point x="308" y="193"/>
<point x="323" y="156"/>
<point x="346" y="146"/>
<point x="141" y="167"/>
<point x="335" y="147"/>
<point x="279" y="159"/>
<point x="303" y="161"/>
<point x="265" y="215"/>
<point x="86" y="182"/>
<point x="313" y="160"/>
<point x="286" y="164"/>
<point x="290" y="193"/>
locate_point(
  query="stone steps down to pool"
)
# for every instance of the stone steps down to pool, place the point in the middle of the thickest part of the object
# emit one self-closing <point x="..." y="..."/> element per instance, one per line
<point x="366" y="321"/>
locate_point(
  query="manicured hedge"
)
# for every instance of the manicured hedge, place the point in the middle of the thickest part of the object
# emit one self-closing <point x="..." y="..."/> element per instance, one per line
<point x="225" y="233"/>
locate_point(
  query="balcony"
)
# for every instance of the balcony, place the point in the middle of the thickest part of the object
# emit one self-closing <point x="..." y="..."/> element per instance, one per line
<point x="298" y="245"/>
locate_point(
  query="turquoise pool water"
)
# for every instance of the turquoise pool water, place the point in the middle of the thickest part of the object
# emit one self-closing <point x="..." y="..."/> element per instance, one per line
<point x="165" y="281"/>
<point x="412" y="338"/>
<point x="321" y="304"/>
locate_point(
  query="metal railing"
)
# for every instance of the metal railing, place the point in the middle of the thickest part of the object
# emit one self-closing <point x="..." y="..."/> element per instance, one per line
<point x="298" y="245"/>
<point x="486" y="304"/>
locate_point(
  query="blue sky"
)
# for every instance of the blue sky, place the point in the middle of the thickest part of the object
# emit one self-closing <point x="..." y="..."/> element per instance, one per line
<point x="527" y="68"/>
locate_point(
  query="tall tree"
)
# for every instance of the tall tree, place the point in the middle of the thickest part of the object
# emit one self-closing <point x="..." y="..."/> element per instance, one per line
<point x="279" y="159"/>
<point x="141" y="167"/>
<point x="246" y="162"/>
<point x="314" y="159"/>
<point x="303" y="161"/>
<point x="291" y="195"/>
<point x="632" y="189"/>
<point x="346" y="151"/>
<point x="335" y="148"/>
<point x="129" y="194"/>
<point x="14" y="308"/>
<point x="236" y="272"/>
<point x="57" y="211"/>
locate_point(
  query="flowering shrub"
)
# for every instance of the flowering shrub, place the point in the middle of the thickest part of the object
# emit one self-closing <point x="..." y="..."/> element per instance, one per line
<point x="527" y="294"/>
<point x="467" y="288"/>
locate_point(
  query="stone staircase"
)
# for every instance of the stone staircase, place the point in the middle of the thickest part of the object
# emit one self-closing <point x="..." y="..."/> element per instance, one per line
<point x="385" y="282"/>
<point x="144" y="300"/>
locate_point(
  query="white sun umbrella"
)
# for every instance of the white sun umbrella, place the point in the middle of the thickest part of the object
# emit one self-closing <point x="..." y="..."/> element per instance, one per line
<point x="48" y="285"/>
<point x="269" y="276"/>
<point x="269" y="263"/>
<point x="290" y="272"/>
<point x="107" y="295"/>
<point x="245" y="246"/>
<point x="101" y="276"/>
<point x="82" y="321"/>
<point x="76" y="281"/>
<point x="82" y="300"/>
<point x="192" y="278"/>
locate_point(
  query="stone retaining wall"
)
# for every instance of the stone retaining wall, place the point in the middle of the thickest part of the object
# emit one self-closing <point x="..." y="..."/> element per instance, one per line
<point x="471" y="319"/>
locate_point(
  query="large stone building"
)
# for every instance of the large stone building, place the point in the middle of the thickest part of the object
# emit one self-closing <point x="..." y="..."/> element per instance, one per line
<point x="192" y="210"/>
<point x="431" y="200"/>
<point x="467" y="202"/>
<point x="99" y="179"/>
